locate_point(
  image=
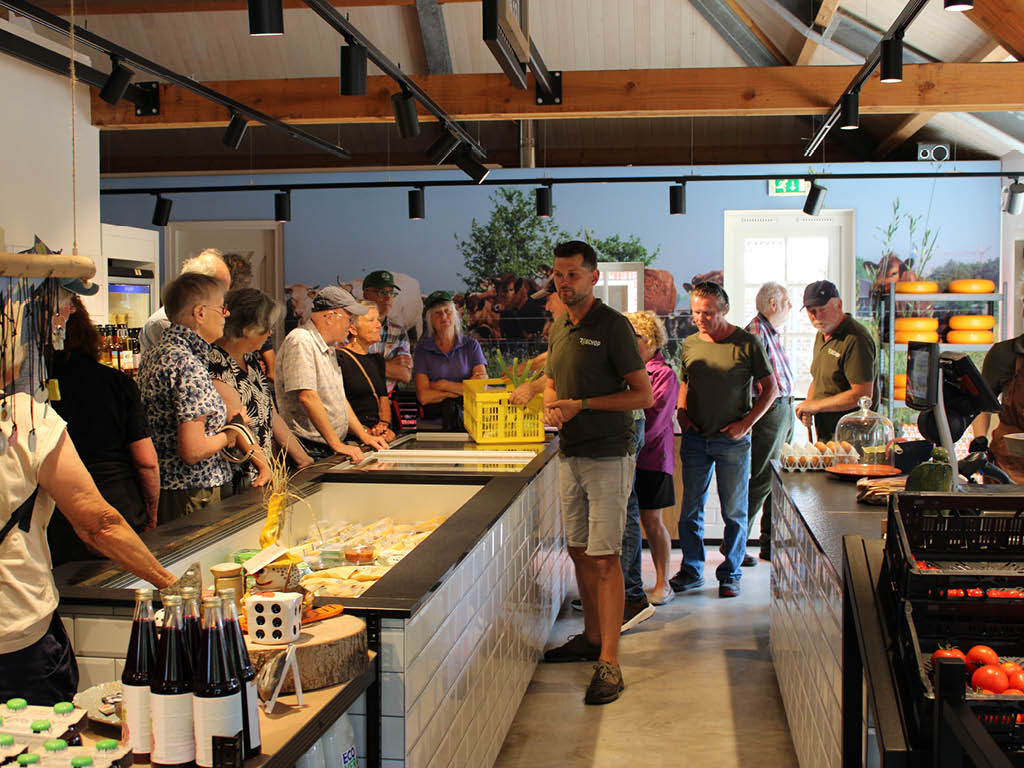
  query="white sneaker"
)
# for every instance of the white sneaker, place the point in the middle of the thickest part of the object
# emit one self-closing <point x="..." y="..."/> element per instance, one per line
<point x="665" y="597"/>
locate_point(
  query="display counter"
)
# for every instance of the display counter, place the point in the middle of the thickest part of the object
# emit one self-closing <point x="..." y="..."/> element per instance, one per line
<point x="459" y="623"/>
<point x="811" y="512"/>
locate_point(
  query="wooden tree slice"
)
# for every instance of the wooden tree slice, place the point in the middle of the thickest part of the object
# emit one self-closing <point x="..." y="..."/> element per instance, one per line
<point x="329" y="652"/>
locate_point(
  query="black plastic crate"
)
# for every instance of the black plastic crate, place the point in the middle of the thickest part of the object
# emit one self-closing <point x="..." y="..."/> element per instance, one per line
<point x="922" y="630"/>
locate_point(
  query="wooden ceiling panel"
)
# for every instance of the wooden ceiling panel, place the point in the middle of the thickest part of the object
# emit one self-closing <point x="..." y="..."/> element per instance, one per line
<point x="1002" y="20"/>
<point x="464" y="25"/>
<point x="944" y="35"/>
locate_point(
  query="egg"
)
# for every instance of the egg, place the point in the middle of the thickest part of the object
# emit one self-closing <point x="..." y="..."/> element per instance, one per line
<point x="790" y="460"/>
<point x="821" y="446"/>
<point x="833" y="446"/>
<point x="803" y="461"/>
<point x="847" y="448"/>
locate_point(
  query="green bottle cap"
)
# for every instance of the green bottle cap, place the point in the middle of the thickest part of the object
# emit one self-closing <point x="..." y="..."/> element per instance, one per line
<point x="106" y="745"/>
<point x="16" y="704"/>
<point x="63" y="708"/>
<point x="81" y="761"/>
<point x="38" y="726"/>
<point x="6" y="740"/>
<point x="55" y="745"/>
<point x="28" y="758"/>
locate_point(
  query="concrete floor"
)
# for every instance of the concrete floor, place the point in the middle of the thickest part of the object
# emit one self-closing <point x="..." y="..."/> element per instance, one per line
<point x="700" y="690"/>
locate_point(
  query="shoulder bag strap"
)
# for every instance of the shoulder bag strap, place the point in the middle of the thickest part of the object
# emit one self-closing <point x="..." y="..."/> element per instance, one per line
<point x="369" y="381"/>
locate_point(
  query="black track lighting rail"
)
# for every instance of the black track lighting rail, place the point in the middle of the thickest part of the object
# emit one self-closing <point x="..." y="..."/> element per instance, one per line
<point x="57" y="24"/>
<point x="353" y="36"/>
<point x="547" y="181"/>
<point x="898" y="27"/>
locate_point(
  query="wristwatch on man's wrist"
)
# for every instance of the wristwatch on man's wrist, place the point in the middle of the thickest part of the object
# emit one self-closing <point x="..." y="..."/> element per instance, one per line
<point x="585" y="404"/>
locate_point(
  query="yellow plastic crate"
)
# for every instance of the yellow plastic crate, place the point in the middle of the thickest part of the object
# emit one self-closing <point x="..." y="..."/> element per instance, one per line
<point x="490" y="418"/>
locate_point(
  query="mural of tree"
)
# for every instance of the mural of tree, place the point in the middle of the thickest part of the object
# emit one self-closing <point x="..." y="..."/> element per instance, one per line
<point x="615" y="248"/>
<point x="514" y="240"/>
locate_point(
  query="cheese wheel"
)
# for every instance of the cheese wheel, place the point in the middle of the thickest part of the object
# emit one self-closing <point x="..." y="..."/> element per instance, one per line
<point x="972" y="322"/>
<point x="917" y="286"/>
<point x="902" y="337"/>
<point x="899" y="393"/>
<point x="917" y="324"/>
<point x="971" y="286"/>
<point x="900" y="381"/>
<point x="970" y="337"/>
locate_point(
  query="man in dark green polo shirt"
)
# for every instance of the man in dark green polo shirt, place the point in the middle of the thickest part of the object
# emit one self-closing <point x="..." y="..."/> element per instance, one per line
<point x="596" y="378"/>
<point x="844" y="367"/>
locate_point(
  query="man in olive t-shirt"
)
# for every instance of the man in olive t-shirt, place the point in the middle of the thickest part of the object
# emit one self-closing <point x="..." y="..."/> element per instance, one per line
<point x="843" y="368"/>
<point x="720" y="363"/>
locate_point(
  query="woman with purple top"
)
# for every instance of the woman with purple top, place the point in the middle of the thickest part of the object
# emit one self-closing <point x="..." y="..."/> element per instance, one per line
<point x="655" y="462"/>
<point x="444" y="358"/>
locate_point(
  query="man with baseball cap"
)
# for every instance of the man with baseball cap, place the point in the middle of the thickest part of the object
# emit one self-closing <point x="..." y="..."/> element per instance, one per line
<point x="379" y="287"/>
<point x="844" y="365"/>
<point x="309" y="385"/>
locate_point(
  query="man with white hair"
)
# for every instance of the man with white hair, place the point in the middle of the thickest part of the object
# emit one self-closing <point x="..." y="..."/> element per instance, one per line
<point x="776" y="426"/>
<point x="209" y="262"/>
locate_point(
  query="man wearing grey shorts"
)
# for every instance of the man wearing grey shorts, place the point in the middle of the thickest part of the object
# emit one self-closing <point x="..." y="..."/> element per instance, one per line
<point x="596" y="378"/>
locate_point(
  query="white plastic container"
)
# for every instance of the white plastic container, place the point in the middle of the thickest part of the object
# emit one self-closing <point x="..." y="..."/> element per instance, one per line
<point x="339" y="744"/>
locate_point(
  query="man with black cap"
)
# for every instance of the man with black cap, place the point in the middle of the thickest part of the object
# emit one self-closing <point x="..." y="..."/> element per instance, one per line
<point x="309" y="385"/>
<point x="379" y="287"/>
<point x="844" y="365"/>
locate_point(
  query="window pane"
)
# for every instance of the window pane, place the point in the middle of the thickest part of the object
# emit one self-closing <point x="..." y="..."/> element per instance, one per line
<point x="764" y="259"/>
<point x="750" y="300"/>
<point x="806" y="259"/>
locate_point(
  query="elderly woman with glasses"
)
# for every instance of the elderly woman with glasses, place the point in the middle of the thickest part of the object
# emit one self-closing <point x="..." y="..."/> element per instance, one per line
<point x="365" y="374"/>
<point x="443" y="360"/>
<point x="234" y="364"/>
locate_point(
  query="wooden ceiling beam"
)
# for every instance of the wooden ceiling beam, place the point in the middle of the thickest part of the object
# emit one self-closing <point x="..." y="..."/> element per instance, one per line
<point x="1003" y="21"/>
<point x="826" y="11"/>
<point x="726" y="91"/>
<point x="108" y="7"/>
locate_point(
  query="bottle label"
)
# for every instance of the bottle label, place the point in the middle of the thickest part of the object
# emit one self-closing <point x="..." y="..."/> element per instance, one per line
<point x="252" y="703"/>
<point x="135" y="712"/>
<point x="221" y="716"/>
<point x="173" y="738"/>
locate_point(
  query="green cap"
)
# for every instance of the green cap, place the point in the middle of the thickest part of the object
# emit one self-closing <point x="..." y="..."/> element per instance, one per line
<point x="55" y="745"/>
<point x="380" y="279"/>
<point x="106" y="745"/>
<point x="81" y="761"/>
<point x="28" y="758"/>
<point x="40" y="725"/>
<point x="437" y="297"/>
<point x="63" y="708"/>
<point x="16" y="704"/>
<point x="6" y="739"/>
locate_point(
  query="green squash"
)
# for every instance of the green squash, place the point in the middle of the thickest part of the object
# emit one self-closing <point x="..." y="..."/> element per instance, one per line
<point x="933" y="475"/>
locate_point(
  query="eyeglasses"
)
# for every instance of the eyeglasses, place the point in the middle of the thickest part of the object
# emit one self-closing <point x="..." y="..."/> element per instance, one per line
<point x="222" y="308"/>
<point x="384" y="293"/>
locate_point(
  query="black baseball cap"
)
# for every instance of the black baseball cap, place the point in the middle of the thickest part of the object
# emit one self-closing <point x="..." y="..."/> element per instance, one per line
<point x="380" y="278"/>
<point x="437" y="297"/>
<point x="819" y="294"/>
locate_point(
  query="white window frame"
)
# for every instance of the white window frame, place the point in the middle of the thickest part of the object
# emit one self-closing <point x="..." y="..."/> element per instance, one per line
<point x="604" y="267"/>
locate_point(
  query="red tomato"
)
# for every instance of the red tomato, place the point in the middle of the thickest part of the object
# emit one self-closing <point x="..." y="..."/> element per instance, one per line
<point x="954" y="593"/>
<point x="990" y="678"/>
<point x="975" y="592"/>
<point x="1013" y="692"/>
<point x="948" y="653"/>
<point x="979" y="656"/>
<point x="1009" y="667"/>
<point x="1016" y="679"/>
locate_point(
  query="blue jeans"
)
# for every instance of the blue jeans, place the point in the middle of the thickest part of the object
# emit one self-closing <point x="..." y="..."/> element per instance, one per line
<point x="631" y="542"/>
<point x="730" y="459"/>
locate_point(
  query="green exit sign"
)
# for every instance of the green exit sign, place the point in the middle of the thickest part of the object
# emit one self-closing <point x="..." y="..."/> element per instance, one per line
<point x="788" y="187"/>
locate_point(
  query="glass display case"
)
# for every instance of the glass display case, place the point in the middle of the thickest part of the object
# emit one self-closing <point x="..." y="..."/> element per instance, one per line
<point x="869" y="433"/>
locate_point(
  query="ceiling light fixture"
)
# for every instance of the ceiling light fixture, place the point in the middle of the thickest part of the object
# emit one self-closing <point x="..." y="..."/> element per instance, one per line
<point x="283" y="206"/>
<point x="442" y="148"/>
<point x="1015" y="198"/>
<point x="849" y="116"/>
<point x="266" y="17"/>
<point x="465" y="158"/>
<point x="543" y="195"/>
<point x="417" y="204"/>
<point x="408" y="122"/>
<point x="959" y="5"/>
<point x="162" y="211"/>
<point x="235" y="131"/>
<point x="677" y="199"/>
<point x="815" y="199"/>
<point x="118" y="80"/>
<point x="892" y="60"/>
<point x="353" y="71"/>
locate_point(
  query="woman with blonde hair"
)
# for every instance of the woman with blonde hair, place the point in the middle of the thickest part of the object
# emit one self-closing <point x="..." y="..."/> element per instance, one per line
<point x="655" y="462"/>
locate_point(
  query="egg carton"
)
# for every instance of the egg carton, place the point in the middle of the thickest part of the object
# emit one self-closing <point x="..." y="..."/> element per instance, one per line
<point x="118" y="757"/>
<point x="18" y="721"/>
<point x="807" y="457"/>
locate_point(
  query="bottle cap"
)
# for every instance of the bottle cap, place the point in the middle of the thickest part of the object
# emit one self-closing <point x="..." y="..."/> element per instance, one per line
<point x="227" y="594"/>
<point x="55" y="745"/>
<point x="16" y="704"/>
<point x="38" y="726"/>
<point x="171" y="600"/>
<point x="81" y="761"/>
<point x="63" y="708"/>
<point x="6" y="740"/>
<point x="144" y="594"/>
<point x="226" y="569"/>
<point x="188" y="593"/>
<point x="28" y="758"/>
<point x="212" y="601"/>
<point x="106" y="745"/>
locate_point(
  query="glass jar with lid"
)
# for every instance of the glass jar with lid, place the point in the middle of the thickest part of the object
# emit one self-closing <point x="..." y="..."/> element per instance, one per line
<point x="869" y="433"/>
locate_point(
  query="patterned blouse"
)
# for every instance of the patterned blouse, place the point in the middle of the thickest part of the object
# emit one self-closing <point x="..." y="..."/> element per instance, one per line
<point x="176" y="388"/>
<point x="254" y="391"/>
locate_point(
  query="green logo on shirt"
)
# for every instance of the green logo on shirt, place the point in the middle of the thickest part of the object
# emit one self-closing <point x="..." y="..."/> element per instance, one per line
<point x="590" y="342"/>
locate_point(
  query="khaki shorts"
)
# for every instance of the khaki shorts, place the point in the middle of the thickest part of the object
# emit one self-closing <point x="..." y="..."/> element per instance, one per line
<point x="594" y="493"/>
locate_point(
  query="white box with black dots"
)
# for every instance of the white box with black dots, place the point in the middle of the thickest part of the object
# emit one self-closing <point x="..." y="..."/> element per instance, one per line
<point x="274" y="617"/>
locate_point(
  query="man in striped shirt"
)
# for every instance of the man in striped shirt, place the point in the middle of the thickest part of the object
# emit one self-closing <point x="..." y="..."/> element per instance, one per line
<point x="776" y="426"/>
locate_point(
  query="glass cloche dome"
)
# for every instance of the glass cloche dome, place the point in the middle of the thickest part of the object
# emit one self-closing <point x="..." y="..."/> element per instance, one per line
<point x="870" y="434"/>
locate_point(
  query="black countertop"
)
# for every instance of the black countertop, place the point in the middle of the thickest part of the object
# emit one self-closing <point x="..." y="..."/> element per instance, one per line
<point x="829" y="508"/>
<point x="398" y="594"/>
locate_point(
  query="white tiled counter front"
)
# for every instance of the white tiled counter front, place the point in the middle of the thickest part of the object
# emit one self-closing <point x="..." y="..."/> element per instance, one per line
<point x="454" y="674"/>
